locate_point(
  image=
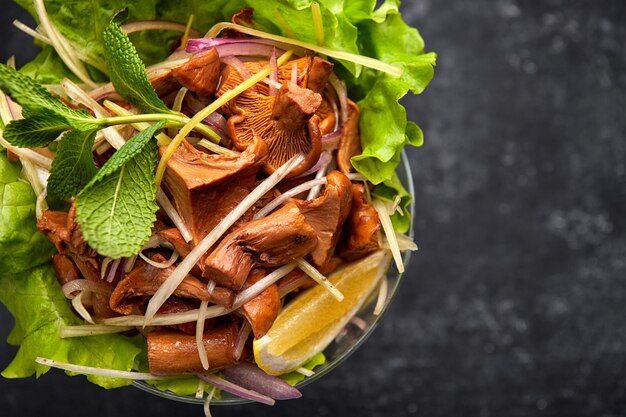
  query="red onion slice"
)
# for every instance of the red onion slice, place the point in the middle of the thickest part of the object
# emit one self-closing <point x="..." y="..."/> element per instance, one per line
<point x="252" y="377"/>
<point x="236" y="389"/>
<point x="241" y="46"/>
<point x="113" y="270"/>
<point x="325" y="158"/>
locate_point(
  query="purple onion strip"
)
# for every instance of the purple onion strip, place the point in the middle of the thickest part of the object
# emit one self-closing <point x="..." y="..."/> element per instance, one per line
<point x="251" y="377"/>
<point x="240" y="46"/>
<point x="325" y="158"/>
<point x="113" y="270"/>
<point x="235" y="389"/>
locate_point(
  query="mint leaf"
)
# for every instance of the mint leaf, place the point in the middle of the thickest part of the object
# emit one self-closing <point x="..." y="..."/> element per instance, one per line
<point x="73" y="167"/>
<point x="21" y="245"/>
<point x="127" y="152"/>
<point x="42" y="127"/>
<point x="128" y="73"/>
<point x="117" y="209"/>
<point x="33" y="96"/>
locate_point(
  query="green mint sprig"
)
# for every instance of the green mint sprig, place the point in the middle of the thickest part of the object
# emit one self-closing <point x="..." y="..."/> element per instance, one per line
<point x="128" y="73"/>
<point x="117" y="209"/>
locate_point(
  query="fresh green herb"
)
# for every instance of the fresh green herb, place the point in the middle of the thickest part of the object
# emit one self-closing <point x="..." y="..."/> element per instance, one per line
<point x="117" y="209"/>
<point x="32" y="96"/>
<point x="39" y="130"/>
<point x="73" y="167"/>
<point x="128" y="73"/>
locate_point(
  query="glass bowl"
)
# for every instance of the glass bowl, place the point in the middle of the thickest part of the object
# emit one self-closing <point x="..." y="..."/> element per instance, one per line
<point x="350" y="338"/>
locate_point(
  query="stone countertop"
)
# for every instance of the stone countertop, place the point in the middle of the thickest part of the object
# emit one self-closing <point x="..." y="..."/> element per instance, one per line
<point x="514" y="304"/>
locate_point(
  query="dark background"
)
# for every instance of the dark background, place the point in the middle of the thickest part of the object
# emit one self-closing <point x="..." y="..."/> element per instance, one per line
<point x="514" y="304"/>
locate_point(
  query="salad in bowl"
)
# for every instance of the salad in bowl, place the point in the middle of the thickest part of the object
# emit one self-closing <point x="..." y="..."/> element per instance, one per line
<point x="202" y="199"/>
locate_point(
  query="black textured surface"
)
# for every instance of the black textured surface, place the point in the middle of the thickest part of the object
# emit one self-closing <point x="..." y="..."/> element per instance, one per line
<point x="514" y="304"/>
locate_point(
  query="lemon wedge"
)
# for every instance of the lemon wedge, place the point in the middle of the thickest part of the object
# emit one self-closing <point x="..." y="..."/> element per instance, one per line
<point x="311" y="321"/>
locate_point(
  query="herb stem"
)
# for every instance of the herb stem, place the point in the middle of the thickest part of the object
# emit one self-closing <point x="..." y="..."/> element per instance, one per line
<point x="174" y="120"/>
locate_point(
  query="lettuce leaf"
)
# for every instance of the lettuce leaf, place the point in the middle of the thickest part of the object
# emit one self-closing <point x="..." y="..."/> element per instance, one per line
<point x="30" y="291"/>
<point x="21" y="245"/>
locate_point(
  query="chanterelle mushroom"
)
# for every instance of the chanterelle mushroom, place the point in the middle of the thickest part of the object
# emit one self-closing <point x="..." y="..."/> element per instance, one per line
<point x="360" y="234"/>
<point x="201" y="74"/>
<point x="277" y="239"/>
<point x="286" y="122"/>
<point x="207" y="187"/>
<point x="350" y="142"/>
<point x="326" y="214"/>
<point x="144" y="280"/>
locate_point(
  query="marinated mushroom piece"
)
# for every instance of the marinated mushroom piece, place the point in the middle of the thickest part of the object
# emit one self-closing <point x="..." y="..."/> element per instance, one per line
<point x="90" y="270"/>
<point x="207" y="187"/>
<point x="63" y="231"/>
<point x="309" y="72"/>
<point x="286" y="122"/>
<point x="174" y="353"/>
<point x="53" y="224"/>
<point x="350" y="141"/>
<point x="326" y="113"/>
<point x="64" y="269"/>
<point x="201" y="74"/>
<point x="180" y="305"/>
<point x="145" y="279"/>
<point x="326" y="214"/>
<point x="263" y="309"/>
<point x="277" y="239"/>
<point x="360" y="234"/>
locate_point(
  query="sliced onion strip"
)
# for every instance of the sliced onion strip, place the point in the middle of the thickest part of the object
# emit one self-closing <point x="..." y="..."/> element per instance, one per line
<point x="77" y="303"/>
<point x="61" y="45"/>
<point x="390" y="233"/>
<point x="236" y="389"/>
<point x="382" y="296"/>
<point x="287" y="195"/>
<point x="242" y="338"/>
<point x="91" y="330"/>
<point x="204" y="360"/>
<point x="85" y="285"/>
<point x="161" y="265"/>
<point x="311" y="271"/>
<point x="172" y="213"/>
<point x="304" y="371"/>
<point x="110" y="373"/>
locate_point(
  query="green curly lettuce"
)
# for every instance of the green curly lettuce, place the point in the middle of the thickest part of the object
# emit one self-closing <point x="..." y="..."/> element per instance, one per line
<point x="32" y="294"/>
